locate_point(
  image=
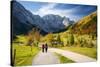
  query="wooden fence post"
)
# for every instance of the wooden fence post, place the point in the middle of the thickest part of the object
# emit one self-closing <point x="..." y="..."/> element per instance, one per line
<point x="14" y="55"/>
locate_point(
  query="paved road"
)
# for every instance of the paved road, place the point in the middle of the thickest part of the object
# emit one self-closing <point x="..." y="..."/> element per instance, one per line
<point x="73" y="56"/>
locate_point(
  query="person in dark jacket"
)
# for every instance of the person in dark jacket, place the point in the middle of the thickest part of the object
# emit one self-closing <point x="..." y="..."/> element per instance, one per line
<point x="43" y="48"/>
<point x="46" y="47"/>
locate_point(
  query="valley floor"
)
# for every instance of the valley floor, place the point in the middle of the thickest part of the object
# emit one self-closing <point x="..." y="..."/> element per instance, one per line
<point x="27" y="56"/>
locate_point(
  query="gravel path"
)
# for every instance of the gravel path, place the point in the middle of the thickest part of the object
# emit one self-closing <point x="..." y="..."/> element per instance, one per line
<point x="45" y="58"/>
<point x="51" y="58"/>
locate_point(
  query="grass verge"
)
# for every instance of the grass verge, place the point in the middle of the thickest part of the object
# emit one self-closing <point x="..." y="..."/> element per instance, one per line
<point x="24" y="54"/>
<point x="64" y="59"/>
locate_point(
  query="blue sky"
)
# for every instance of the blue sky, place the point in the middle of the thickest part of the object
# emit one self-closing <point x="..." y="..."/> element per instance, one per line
<point x="73" y="11"/>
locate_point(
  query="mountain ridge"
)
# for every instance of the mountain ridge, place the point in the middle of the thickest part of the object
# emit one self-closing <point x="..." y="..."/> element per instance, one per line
<point x="23" y="20"/>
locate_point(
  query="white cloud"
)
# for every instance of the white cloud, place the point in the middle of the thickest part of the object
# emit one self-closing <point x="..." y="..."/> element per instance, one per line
<point x="49" y="9"/>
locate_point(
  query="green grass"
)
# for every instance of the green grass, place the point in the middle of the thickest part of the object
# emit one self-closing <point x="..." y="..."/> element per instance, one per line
<point x="91" y="52"/>
<point x="24" y="55"/>
<point x="64" y="59"/>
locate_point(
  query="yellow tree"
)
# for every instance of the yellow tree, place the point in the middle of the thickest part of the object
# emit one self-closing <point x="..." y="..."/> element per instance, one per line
<point x="49" y="38"/>
<point x="37" y="36"/>
<point x="30" y="37"/>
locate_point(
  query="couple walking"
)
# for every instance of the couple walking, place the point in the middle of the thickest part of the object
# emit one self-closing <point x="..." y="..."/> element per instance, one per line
<point x="44" y="47"/>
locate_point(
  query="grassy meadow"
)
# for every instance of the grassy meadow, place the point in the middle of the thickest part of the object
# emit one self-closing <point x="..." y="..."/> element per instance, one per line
<point x="24" y="54"/>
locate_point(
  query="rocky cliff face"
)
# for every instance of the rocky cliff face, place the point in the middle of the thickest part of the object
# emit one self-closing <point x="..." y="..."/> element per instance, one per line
<point x="67" y="21"/>
<point x="53" y="23"/>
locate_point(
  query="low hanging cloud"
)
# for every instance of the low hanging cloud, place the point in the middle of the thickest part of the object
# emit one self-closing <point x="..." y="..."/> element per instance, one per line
<point x="50" y="9"/>
<point x="74" y="13"/>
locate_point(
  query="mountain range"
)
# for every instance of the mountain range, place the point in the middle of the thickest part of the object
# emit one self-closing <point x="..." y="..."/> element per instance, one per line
<point x="23" y="21"/>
